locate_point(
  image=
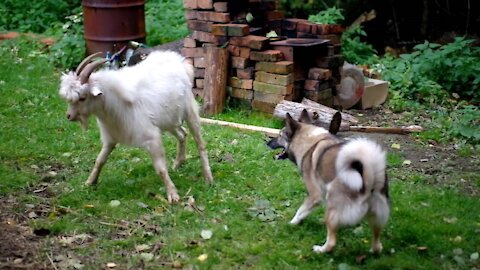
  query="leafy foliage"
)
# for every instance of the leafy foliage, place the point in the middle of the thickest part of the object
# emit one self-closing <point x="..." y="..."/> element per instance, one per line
<point x="354" y="50"/>
<point x="432" y="70"/>
<point x="69" y="49"/>
<point x="34" y="16"/>
<point x="331" y="15"/>
<point x="165" y="21"/>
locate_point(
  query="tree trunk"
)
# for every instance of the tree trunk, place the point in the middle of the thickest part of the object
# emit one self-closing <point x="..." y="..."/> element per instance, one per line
<point x="215" y="81"/>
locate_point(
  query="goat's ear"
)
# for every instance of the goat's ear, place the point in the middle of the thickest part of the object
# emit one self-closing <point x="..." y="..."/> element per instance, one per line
<point x="95" y="91"/>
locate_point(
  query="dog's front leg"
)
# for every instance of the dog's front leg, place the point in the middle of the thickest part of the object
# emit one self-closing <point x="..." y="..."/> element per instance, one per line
<point x="331" y="239"/>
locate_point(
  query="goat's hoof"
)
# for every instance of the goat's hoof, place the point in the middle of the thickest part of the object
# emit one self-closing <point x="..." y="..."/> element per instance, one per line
<point x="322" y="249"/>
<point x="377" y="248"/>
<point x="90" y="183"/>
<point x="173" y="197"/>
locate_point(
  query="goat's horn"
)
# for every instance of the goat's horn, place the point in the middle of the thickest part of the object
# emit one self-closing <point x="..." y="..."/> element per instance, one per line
<point x="85" y="62"/>
<point x="85" y="73"/>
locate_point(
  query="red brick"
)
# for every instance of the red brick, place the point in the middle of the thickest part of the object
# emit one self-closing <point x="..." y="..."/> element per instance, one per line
<point x="314" y="85"/>
<point x="199" y="62"/>
<point x="199" y="25"/>
<point x="240" y="93"/>
<point x="291" y="23"/>
<point x="251" y="41"/>
<point x="319" y="73"/>
<point x="266" y="56"/>
<point x="274" y="15"/>
<point x="211" y="16"/>
<point x="245" y="52"/>
<point x="220" y="6"/>
<point x="233" y="50"/>
<point x="189" y="42"/>
<point x="190" y="14"/>
<point x="205" y="4"/>
<point x="193" y="52"/>
<point x="282" y="67"/>
<point x="272" y="78"/>
<point x="199" y="83"/>
<point x="238" y="30"/>
<point x="240" y="83"/>
<point x="190" y="4"/>
<point x="208" y="37"/>
<point x="198" y="92"/>
<point x="219" y="29"/>
<point x="268" y="97"/>
<point x="199" y="73"/>
<point x="266" y="107"/>
<point x="320" y="29"/>
<point x="334" y="39"/>
<point x="245" y="73"/>
<point x="239" y="62"/>
<point x="305" y="26"/>
<point x="272" y="88"/>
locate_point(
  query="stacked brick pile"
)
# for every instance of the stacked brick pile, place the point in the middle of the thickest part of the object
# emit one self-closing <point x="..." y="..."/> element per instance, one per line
<point x="259" y="75"/>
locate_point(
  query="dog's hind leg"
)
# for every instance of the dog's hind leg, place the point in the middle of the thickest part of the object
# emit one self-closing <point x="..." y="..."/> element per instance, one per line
<point x="377" y="219"/>
<point x="331" y="241"/>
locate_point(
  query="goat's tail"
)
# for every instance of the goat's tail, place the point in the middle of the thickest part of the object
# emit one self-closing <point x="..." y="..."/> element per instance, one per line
<point x="189" y="69"/>
<point x="361" y="165"/>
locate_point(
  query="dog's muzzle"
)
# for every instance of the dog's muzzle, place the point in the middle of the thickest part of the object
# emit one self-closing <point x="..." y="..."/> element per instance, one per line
<point x="273" y="144"/>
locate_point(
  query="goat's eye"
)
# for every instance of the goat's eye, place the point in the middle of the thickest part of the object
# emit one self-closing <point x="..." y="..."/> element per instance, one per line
<point x="82" y="99"/>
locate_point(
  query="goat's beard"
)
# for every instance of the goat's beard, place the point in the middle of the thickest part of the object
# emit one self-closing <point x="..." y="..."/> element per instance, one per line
<point x="83" y="122"/>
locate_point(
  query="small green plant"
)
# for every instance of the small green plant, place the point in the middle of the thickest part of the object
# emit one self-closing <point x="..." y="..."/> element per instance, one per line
<point x="69" y="49"/>
<point x="331" y="15"/>
<point x="354" y="50"/>
<point x="165" y="21"/>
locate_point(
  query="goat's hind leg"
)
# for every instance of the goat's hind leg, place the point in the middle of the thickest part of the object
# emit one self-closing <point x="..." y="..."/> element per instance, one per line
<point x="180" y="133"/>
<point x="99" y="162"/>
<point x="193" y="122"/>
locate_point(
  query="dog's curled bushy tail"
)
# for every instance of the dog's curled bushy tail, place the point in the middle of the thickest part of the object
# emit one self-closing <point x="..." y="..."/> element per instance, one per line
<point x="361" y="165"/>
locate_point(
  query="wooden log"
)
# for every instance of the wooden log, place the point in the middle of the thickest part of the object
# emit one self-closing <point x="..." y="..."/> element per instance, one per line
<point x="345" y="116"/>
<point x="321" y="115"/>
<point x="215" y="80"/>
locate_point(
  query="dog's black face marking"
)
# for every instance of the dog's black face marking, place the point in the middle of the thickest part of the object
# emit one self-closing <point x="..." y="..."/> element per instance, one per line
<point x="273" y="144"/>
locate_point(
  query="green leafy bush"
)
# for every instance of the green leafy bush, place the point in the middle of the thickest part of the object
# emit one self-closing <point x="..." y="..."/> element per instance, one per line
<point x="432" y="71"/>
<point x="331" y="15"/>
<point x="165" y="21"/>
<point x="69" y="48"/>
<point x="34" y="16"/>
<point x="354" y="50"/>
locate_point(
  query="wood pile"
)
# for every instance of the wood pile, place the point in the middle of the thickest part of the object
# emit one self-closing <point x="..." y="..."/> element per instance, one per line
<point x="259" y="73"/>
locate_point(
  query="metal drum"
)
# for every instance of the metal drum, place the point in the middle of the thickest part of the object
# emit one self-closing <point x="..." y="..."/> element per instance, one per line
<point x="110" y="24"/>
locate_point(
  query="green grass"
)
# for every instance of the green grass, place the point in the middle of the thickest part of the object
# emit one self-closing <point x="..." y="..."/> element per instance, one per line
<point x="430" y="225"/>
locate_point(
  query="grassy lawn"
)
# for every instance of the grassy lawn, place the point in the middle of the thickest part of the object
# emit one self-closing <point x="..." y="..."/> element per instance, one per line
<point x="244" y="216"/>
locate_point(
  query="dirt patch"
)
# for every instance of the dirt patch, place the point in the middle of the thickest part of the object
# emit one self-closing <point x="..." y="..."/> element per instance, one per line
<point x="20" y="247"/>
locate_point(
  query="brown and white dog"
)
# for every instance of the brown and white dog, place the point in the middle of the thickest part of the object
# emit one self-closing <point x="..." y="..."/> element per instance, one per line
<point x="349" y="176"/>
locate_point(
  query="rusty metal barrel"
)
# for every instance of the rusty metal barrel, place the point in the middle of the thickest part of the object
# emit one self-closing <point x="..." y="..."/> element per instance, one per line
<point x="110" y="24"/>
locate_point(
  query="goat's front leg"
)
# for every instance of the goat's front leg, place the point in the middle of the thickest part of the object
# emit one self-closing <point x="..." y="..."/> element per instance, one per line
<point x="107" y="148"/>
<point x="157" y="152"/>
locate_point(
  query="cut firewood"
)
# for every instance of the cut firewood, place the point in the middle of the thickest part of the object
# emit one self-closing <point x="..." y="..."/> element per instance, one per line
<point x="215" y="81"/>
<point x="271" y="132"/>
<point x="320" y="114"/>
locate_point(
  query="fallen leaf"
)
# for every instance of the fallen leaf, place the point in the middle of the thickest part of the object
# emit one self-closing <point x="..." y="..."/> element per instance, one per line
<point x="202" y="257"/>
<point x="406" y="162"/>
<point x="450" y="220"/>
<point x="206" y="234"/>
<point x="114" y="203"/>
<point x="343" y="266"/>
<point x="458" y="251"/>
<point x="89" y="206"/>
<point x="146" y="256"/>
<point x="474" y="256"/>
<point x="422" y="248"/>
<point x="143" y="247"/>
<point x="395" y="146"/>
<point x="111" y="265"/>
<point x="142" y="205"/>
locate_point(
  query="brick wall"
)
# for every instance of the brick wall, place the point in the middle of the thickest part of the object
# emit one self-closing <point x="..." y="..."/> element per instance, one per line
<point x="261" y="74"/>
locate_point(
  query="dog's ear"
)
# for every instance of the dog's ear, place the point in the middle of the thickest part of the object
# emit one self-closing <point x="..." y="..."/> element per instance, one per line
<point x="305" y="117"/>
<point x="290" y="125"/>
<point x="335" y="123"/>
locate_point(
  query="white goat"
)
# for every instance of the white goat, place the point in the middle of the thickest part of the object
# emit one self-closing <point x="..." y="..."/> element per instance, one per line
<point x="134" y="105"/>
